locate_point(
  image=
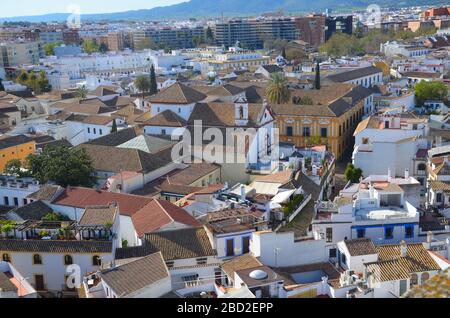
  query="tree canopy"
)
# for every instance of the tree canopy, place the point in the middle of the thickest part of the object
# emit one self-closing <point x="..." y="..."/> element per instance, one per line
<point x="49" y="48"/>
<point x="142" y="84"/>
<point x="38" y="83"/>
<point x="341" y="44"/>
<point x="63" y="166"/>
<point x="90" y="46"/>
<point x="352" y="173"/>
<point x="433" y="90"/>
<point x="277" y="91"/>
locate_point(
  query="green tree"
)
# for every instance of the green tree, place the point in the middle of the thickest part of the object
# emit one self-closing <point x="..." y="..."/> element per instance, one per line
<point x="23" y="77"/>
<point x="306" y="100"/>
<point x="103" y="48"/>
<point x="14" y="168"/>
<point x="352" y="173"/>
<point x="49" y="48"/>
<point x="2" y="87"/>
<point x="153" y="83"/>
<point x="209" y="35"/>
<point x="283" y="53"/>
<point x="142" y="84"/>
<point x="317" y="79"/>
<point x="63" y="166"/>
<point x="114" y="126"/>
<point x="81" y="92"/>
<point x="53" y="216"/>
<point x="277" y="90"/>
<point x="433" y="90"/>
<point x="7" y="228"/>
<point x="90" y="46"/>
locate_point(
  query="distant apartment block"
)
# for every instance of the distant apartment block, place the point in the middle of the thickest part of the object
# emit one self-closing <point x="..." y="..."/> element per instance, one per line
<point x="18" y="53"/>
<point x="252" y="33"/>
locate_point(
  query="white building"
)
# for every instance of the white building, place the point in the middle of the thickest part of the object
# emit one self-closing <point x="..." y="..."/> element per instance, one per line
<point x="389" y="141"/>
<point x="379" y="211"/>
<point x="364" y="76"/>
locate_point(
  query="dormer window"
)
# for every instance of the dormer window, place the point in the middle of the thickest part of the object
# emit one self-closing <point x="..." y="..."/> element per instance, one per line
<point x="241" y="112"/>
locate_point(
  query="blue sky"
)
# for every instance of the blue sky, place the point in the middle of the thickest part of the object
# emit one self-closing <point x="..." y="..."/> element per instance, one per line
<point x="37" y="7"/>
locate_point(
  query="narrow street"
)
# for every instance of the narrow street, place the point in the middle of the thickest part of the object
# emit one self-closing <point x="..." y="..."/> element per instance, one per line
<point x="341" y="165"/>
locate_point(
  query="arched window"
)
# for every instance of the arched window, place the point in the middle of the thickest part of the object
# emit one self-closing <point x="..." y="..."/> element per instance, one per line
<point x="96" y="260"/>
<point x="6" y="258"/>
<point x="424" y="277"/>
<point x="241" y="112"/>
<point x="68" y="260"/>
<point x="414" y="279"/>
<point x="421" y="167"/>
<point x="37" y="259"/>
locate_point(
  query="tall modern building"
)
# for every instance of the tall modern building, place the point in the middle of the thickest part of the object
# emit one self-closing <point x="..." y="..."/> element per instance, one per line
<point x="311" y="29"/>
<point x="342" y="24"/>
<point x="252" y="33"/>
<point x="175" y="38"/>
<point x="13" y="54"/>
<point x="116" y="41"/>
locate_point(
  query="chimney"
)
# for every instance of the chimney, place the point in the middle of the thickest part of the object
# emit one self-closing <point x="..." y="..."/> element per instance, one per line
<point x="371" y="190"/>
<point x="447" y="242"/>
<point x="406" y="174"/>
<point x="429" y="237"/>
<point x="243" y="196"/>
<point x="403" y="249"/>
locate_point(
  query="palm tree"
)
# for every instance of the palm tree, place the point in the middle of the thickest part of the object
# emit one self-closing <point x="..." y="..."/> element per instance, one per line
<point x="81" y="92"/>
<point x="277" y="91"/>
<point x="142" y="83"/>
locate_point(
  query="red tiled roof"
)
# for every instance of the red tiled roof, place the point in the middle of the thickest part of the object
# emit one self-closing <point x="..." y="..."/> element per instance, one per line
<point x="84" y="197"/>
<point x="158" y="213"/>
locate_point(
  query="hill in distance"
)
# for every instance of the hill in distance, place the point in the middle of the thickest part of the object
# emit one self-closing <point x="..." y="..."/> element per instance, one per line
<point x="230" y="8"/>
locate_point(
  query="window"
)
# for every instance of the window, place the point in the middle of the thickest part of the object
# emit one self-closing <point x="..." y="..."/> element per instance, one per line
<point x="421" y="167"/>
<point x="306" y="132"/>
<point x="100" y="131"/>
<point x="329" y="235"/>
<point x="414" y="280"/>
<point x="245" y="245"/>
<point x="333" y="253"/>
<point x="438" y="197"/>
<point x="96" y="260"/>
<point x="324" y="132"/>
<point x="202" y="261"/>
<point x="16" y="202"/>
<point x="170" y="264"/>
<point x="37" y="259"/>
<point x="424" y="277"/>
<point x="365" y="141"/>
<point x="163" y="132"/>
<point x="289" y="131"/>
<point x="361" y="233"/>
<point x="6" y="200"/>
<point x="95" y="131"/>
<point x="409" y="231"/>
<point x="68" y="260"/>
<point x="230" y="247"/>
<point x="6" y="258"/>
<point x="389" y="233"/>
<point x="343" y="259"/>
<point x="25" y="202"/>
<point x="89" y="130"/>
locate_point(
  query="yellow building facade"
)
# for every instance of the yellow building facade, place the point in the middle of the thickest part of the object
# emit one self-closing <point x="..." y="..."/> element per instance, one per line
<point x="332" y="124"/>
<point x="17" y="147"/>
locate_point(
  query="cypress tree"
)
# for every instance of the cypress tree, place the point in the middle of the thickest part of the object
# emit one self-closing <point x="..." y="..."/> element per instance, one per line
<point x="2" y="88"/>
<point x="114" y="127"/>
<point x="317" y="80"/>
<point x="153" y="83"/>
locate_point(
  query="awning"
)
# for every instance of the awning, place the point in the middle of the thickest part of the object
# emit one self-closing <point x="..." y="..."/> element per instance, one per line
<point x="283" y="197"/>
